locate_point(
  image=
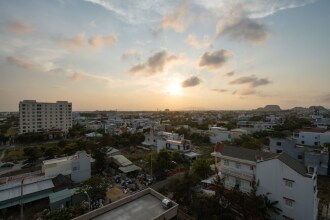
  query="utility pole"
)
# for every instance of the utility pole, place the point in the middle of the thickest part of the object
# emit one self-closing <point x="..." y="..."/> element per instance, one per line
<point x="151" y="164"/>
<point x="21" y="202"/>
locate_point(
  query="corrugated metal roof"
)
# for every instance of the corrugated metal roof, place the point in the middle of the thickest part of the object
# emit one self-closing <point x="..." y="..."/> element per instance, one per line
<point x="60" y="195"/>
<point x="129" y="168"/>
<point x="121" y="160"/>
<point x="27" y="189"/>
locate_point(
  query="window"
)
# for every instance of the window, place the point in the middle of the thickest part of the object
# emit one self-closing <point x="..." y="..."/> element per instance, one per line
<point x="251" y="167"/>
<point x="302" y="142"/>
<point x="288" y="183"/>
<point x="316" y="143"/>
<point x="226" y="162"/>
<point x="299" y="157"/>
<point x="278" y="151"/>
<point x="76" y="167"/>
<point x="238" y="165"/>
<point x="279" y="143"/>
<point x="288" y="202"/>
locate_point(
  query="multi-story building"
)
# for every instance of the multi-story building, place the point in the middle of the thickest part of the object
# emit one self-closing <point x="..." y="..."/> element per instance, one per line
<point x="312" y="136"/>
<point x="41" y="116"/>
<point x="313" y="157"/>
<point x="278" y="176"/>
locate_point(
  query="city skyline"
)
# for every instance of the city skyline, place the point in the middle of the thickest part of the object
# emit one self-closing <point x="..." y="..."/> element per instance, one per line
<point x="149" y="55"/>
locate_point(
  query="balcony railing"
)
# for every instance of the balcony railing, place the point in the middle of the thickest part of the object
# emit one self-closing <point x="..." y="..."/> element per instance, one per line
<point x="237" y="173"/>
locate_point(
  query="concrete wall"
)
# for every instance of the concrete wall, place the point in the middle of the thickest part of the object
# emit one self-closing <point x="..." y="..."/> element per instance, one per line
<point x="302" y="190"/>
<point x="81" y="168"/>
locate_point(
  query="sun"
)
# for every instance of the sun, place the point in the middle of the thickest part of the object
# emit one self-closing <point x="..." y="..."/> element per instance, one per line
<point x="175" y="89"/>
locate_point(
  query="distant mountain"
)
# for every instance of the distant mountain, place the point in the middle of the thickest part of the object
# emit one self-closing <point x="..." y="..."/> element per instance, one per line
<point x="317" y="109"/>
<point x="299" y="109"/>
<point x="311" y="109"/>
<point x="269" y="108"/>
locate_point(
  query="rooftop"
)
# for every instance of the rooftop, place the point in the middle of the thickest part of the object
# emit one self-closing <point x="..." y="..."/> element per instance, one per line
<point x="143" y="205"/>
<point x="251" y="155"/>
<point x="122" y="161"/>
<point x="244" y="153"/>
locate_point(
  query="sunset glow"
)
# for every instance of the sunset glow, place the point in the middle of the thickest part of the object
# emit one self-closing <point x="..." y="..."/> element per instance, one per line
<point x="212" y="54"/>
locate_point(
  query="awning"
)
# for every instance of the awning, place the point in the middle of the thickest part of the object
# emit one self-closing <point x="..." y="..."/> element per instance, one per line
<point x="129" y="168"/>
<point x="60" y="195"/>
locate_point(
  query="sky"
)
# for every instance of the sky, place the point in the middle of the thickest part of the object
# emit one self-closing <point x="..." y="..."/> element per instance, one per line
<point x="159" y="54"/>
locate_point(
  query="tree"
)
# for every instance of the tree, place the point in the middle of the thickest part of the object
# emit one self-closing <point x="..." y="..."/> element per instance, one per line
<point x="183" y="188"/>
<point x="32" y="153"/>
<point x="70" y="148"/>
<point x="95" y="187"/>
<point x="51" y="152"/>
<point x="66" y="213"/>
<point x="202" y="169"/>
<point x="99" y="154"/>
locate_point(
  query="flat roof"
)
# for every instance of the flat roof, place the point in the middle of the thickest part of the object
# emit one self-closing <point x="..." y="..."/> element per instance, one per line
<point x="143" y="205"/>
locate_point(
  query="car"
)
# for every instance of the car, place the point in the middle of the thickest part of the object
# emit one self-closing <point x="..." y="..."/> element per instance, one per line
<point x="8" y="164"/>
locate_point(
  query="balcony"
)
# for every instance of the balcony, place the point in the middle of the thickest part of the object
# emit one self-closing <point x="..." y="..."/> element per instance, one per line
<point x="237" y="173"/>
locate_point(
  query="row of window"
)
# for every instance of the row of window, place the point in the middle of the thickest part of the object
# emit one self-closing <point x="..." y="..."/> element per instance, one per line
<point x="237" y="164"/>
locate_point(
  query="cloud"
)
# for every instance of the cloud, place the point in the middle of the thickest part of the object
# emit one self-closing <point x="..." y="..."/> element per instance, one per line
<point x="155" y="64"/>
<point x="100" y="41"/>
<point x="23" y="63"/>
<point x="73" y="43"/>
<point x="80" y="41"/>
<point x="243" y="28"/>
<point x="191" y="82"/>
<point x="19" y="27"/>
<point x="77" y="76"/>
<point x="251" y="81"/>
<point x="247" y="92"/>
<point x="231" y="73"/>
<point x="214" y="59"/>
<point x="192" y="41"/>
<point x="219" y="90"/>
<point x="175" y="20"/>
<point x="131" y="53"/>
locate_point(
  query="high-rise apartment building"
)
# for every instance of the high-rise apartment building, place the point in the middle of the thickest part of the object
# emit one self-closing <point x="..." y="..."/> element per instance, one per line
<point x="41" y="116"/>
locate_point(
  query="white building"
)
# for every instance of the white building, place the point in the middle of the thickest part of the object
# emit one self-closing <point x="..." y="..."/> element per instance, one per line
<point x="312" y="136"/>
<point x="219" y="134"/>
<point x="279" y="176"/>
<point x="168" y="140"/>
<point x="41" y="116"/>
<point x="78" y="166"/>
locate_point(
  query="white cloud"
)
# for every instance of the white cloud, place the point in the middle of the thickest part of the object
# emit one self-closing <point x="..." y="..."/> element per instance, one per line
<point x="192" y="41"/>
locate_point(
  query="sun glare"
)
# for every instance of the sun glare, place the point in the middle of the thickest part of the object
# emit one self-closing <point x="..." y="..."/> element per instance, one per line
<point x="174" y="89"/>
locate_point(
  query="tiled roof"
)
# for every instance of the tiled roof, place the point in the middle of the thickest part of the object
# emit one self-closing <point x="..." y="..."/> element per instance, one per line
<point x="251" y="155"/>
<point x="292" y="163"/>
<point x="245" y="154"/>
